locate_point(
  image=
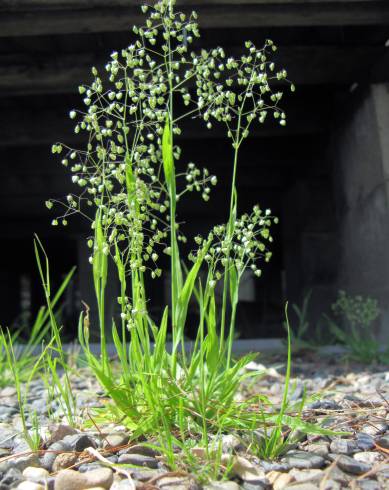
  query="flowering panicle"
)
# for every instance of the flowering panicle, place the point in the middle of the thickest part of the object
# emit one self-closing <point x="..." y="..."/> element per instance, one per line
<point x="119" y="171"/>
<point x="243" y="249"/>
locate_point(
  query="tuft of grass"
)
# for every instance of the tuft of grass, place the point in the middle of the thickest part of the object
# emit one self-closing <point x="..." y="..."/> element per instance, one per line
<point x="54" y="357"/>
<point x="25" y="353"/>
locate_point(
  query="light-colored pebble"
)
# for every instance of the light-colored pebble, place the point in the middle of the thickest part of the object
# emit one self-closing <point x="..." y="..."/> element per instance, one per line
<point x="73" y="480"/>
<point x="30" y="485"/>
<point x="33" y="474"/>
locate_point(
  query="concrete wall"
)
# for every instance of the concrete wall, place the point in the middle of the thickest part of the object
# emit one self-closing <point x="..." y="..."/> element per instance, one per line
<point x="360" y="154"/>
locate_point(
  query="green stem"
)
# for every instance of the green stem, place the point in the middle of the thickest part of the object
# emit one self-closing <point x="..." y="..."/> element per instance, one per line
<point x="230" y="231"/>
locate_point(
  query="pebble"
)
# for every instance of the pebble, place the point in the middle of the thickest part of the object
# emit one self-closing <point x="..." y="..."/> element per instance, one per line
<point x="320" y="449"/>
<point x="116" y="439"/>
<point x="306" y="475"/>
<point x="85" y="467"/>
<point x="367" y="485"/>
<point x="177" y="483"/>
<point x="145" y="474"/>
<point x="138" y="460"/>
<point x="351" y="465"/>
<point x="7" y="434"/>
<point x="230" y="443"/>
<point x="122" y="485"/>
<point x="52" y="452"/>
<point x="330" y="485"/>
<point x="256" y="485"/>
<point x="302" y="486"/>
<point x="364" y="441"/>
<point x="222" y="485"/>
<point x="34" y="474"/>
<point x="58" y="432"/>
<point x="79" y="442"/>
<point x="343" y="446"/>
<point x="303" y="460"/>
<point x="247" y="471"/>
<point x="12" y="476"/>
<point x="30" y="485"/>
<point x="63" y="461"/>
<point x="383" y="441"/>
<point x="368" y="457"/>
<point x="279" y="480"/>
<point x="73" y="480"/>
<point x="140" y="449"/>
<point x="274" y="466"/>
<point x="375" y="428"/>
<point x="324" y="405"/>
<point x="22" y="462"/>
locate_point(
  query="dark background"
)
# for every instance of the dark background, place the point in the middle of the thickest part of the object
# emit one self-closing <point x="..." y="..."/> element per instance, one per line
<point x="334" y="51"/>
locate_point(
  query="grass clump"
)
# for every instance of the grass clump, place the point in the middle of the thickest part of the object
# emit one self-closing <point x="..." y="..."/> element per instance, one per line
<point x="131" y="182"/>
<point x="358" y="315"/>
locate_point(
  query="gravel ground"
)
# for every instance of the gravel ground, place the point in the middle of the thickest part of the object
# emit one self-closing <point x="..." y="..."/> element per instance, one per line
<point x="349" y="397"/>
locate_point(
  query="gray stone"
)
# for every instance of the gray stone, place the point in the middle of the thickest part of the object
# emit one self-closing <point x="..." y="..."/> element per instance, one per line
<point x="231" y="443"/>
<point x="73" y="480"/>
<point x="302" y="476"/>
<point x="384" y="471"/>
<point x="320" y="449"/>
<point x="22" y="462"/>
<point x="79" y="442"/>
<point x="85" y="467"/>
<point x="375" y="428"/>
<point x="116" y="439"/>
<point x="343" y="446"/>
<point x="339" y="476"/>
<point x="138" y="460"/>
<point x="325" y="405"/>
<point x="58" y="432"/>
<point x="303" y="460"/>
<point x="383" y="441"/>
<point x="351" y="465"/>
<point x="364" y="441"/>
<point x="368" y="457"/>
<point x="367" y="485"/>
<point x="63" y="461"/>
<point x="12" y="477"/>
<point x="140" y="449"/>
<point x="52" y="452"/>
<point x="262" y="484"/>
<point x="124" y="484"/>
<point x="273" y="466"/>
<point x="145" y="474"/>
<point x="222" y="485"/>
<point x="177" y="483"/>
<point x="330" y="485"/>
<point x="301" y="486"/>
<point x="6" y="412"/>
<point x="7" y="434"/>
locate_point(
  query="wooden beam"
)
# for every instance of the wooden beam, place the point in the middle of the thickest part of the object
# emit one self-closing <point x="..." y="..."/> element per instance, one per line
<point x="66" y="4"/>
<point x="306" y="65"/>
<point x="80" y="17"/>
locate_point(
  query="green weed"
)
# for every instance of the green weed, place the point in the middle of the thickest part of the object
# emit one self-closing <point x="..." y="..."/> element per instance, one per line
<point x="131" y="184"/>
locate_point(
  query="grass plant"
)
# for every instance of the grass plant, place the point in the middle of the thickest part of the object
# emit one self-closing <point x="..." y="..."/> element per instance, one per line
<point x="358" y="315"/>
<point x="54" y="356"/>
<point x="26" y="353"/>
<point x="30" y="431"/>
<point x="131" y="183"/>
